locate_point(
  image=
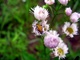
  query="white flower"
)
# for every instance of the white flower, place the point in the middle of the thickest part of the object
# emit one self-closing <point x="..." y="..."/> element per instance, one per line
<point x="45" y="26"/>
<point x="61" y="50"/>
<point x="39" y="28"/>
<point x="52" y="32"/>
<point x="79" y="15"/>
<point x="49" y="2"/>
<point x="34" y="28"/>
<point x="64" y="2"/>
<point x="70" y="29"/>
<point x="74" y="17"/>
<point x="68" y="11"/>
<point x="40" y="13"/>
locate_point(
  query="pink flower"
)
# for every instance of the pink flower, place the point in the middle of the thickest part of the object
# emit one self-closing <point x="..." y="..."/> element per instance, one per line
<point x="49" y="2"/>
<point x="79" y="15"/>
<point x="68" y="11"/>
<point x="51" y="41"/>
<point x="74" y="17"/>
<point x="63" y="2"/>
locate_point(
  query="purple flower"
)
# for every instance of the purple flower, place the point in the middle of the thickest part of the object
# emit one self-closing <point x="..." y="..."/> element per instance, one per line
<point x="63" y="2"/>
<point x="68" y="11"/>
<point x="51" y="41"/>
<point x="74" y="17"/>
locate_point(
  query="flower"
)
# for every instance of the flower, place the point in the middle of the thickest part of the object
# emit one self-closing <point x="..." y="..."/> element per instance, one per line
<point x="45" y="26"/>
<point x="52" y="32"/>
<point x="51" y="41"/>
<point x="70" y="29"/>
<point x="64" y="2"/>
<point x="49" y="2"/>
<point x="39" y="28"/>
<point x="40" y="13"/>
<point x="61" y="50"/>
<point x="34" y="28"/>
<point x="68" y="11"/>
<point x="74" y="17"/>
<point x="79" y="15"/>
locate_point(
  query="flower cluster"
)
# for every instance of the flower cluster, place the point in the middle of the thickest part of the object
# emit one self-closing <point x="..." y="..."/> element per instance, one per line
<point x="52" y="39"/>
<point x="71" y="29"/>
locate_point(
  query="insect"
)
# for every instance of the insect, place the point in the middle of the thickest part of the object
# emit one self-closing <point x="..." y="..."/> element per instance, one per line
<point x="39" y="28"/>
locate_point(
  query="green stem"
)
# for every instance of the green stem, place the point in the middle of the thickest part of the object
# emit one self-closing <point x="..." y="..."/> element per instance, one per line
<point x="52" y="15"/>
<point x="44" y="47"/>
<point x="58" y="7"/>
<point x="55" y="14"/>
<point x="52" y="21"/>
<point x="45" y="6"/>
<point x="51" y="11"/>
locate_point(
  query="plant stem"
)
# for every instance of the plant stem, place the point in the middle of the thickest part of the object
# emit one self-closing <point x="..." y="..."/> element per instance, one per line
<point x="44" y="47"/>
<point x="51" y="11"/>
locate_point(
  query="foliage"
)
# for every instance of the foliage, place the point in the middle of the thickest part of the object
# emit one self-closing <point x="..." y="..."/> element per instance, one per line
<point x="14" y="27"/>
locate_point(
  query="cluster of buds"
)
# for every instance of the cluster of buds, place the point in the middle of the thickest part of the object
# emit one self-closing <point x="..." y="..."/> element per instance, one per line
<point x="52" y="39"/>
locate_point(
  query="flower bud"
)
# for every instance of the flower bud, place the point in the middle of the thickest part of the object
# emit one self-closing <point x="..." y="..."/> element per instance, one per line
<point x="68" y="11"/>
<point x="49" y="2"/>
<point x="51" y="41"/>
<point x="63" y="2"/>
<point x="74" y="17"/>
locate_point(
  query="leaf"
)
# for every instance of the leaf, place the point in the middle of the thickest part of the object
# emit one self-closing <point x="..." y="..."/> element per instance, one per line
<point x="27" y="56"/>
<point x="75" y="5"/>
<point x="16" y="36"/>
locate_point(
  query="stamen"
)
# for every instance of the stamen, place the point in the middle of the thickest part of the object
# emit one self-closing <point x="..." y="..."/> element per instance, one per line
<point x="70" y="30"/>
<point x="60" y="51"/>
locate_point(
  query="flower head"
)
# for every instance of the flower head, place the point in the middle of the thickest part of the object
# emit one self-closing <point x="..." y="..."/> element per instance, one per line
<point x="40" y="13"/>
<point x="61" y="50"/>
<point x="49" y="2"/>
<point x="64" y="2"/>
<point x="79" y="15"/>
<point x="45" y="26"/>
<point x="40" y="28"/>
<point x="68" y="11"/>
<point x="74" y="17"/>
<point x="52" y="40"/>
<point x="70" y="29"/>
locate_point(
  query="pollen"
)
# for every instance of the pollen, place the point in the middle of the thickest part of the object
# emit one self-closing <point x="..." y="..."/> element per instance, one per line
<point x="70" y="30"/>
<point x="60" y="51"/>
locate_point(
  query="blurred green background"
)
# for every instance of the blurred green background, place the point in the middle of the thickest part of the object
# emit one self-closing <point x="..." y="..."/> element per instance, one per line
<point x="16" y="39"/>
